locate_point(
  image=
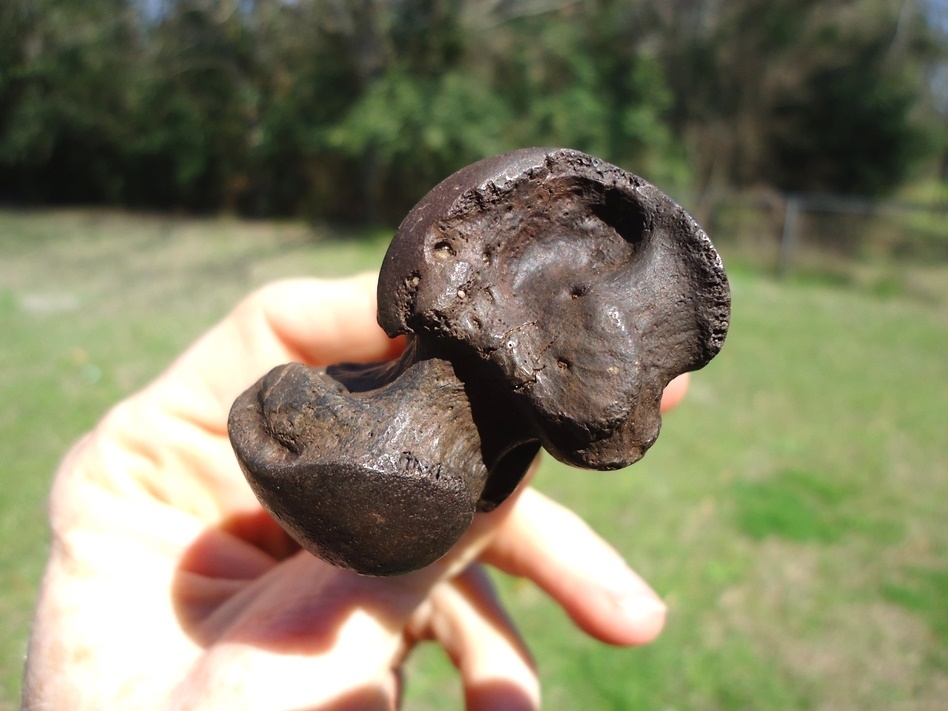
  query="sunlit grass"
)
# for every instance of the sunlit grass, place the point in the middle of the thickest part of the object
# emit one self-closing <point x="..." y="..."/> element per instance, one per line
<point x="791" y="514"/>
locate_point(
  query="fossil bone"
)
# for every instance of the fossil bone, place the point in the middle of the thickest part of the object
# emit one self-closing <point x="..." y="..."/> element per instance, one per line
<point x="548" y="297"/>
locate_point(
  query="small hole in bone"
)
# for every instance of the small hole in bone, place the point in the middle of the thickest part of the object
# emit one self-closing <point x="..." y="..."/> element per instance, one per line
<point x="562" y="364"/>
<point x="443" y="250"/>
<point x="578" y="290"/>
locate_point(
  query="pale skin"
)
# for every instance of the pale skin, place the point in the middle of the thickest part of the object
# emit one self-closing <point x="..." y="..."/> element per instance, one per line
<point x="168" y="587"/>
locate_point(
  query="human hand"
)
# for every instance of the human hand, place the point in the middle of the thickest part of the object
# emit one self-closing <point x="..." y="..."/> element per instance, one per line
<point x="169" y="587"/>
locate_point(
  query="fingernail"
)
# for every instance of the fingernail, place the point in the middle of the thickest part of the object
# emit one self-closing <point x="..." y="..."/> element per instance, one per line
<point x="632" y="596"/>
<point x="640" y="607"/>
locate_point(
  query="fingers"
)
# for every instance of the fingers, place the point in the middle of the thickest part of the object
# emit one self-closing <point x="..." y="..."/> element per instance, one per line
<point x="467" y="620"/>
<point x="324" y="322"/>
<point x="552" y="546"/>
<point x="318" y="322"/>
<point x="304" y="635"/>
<point x="306" y="632"/>
<point x="675" y="391"/>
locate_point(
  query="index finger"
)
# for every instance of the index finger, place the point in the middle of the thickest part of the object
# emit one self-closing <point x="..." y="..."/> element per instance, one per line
<point x="317" y="322"/>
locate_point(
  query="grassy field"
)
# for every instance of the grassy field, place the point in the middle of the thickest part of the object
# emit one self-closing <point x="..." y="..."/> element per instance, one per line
<point x="792" y="513"/>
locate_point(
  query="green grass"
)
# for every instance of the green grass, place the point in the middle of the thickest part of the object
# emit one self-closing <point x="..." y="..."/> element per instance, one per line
<point x="792" y="513"/>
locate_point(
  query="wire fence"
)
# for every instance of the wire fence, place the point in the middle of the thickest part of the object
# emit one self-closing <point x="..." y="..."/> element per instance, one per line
<point x="817" y="231"/>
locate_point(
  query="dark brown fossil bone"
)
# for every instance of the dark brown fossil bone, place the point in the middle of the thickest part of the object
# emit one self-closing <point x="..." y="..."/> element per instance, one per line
<point x="549" y="297"/>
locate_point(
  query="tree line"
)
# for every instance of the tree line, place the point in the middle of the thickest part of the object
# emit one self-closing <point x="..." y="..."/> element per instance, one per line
<point x="352" y="109"/>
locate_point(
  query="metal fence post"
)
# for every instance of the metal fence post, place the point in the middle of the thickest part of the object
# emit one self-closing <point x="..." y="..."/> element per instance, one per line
<point x="789" y="237"/>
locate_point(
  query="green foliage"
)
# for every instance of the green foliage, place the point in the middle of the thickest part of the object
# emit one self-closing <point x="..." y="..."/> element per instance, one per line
<point x="353" y="110"/>
<point x="62" y="135"/>
<point x="840" y="115"/>
<point x="415" y="131"/>
<point x="582" y="81"/>
<point x="168" y="154"/>
<point x="821" y="95"/>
